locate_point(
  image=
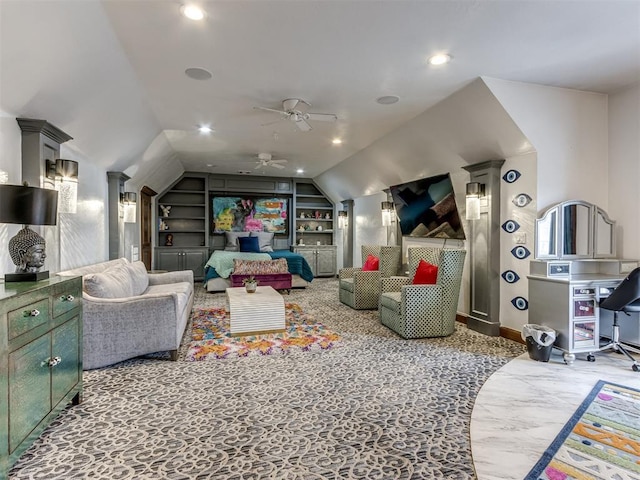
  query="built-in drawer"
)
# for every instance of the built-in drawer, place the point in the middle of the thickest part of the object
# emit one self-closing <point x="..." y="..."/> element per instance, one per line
<point x="577" y="291"/>
<point x="28" y="317"/>
<point x="584" y="308"/>
<point x="66" y="297"/>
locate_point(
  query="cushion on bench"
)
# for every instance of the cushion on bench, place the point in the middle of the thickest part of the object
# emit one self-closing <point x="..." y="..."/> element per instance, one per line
<point x="259" y="267"/>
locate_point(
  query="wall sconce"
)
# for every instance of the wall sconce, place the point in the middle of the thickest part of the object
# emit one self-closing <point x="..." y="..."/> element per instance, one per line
<point x="343" y="220"/>
<point x="388" y="214"/>
<point x="64" y="176"/>
<point x="27" y="206"/>
<point x="129" y="199"/>
<point x="475" y="191"/>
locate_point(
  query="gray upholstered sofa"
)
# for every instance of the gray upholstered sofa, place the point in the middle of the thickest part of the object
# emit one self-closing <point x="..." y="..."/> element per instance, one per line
<point x="128" y="312"/>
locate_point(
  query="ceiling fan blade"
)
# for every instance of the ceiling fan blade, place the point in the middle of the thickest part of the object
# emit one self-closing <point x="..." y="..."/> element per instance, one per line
<point x="303" y="125"/>
<point x="270" y="110"/>
<point x="321" y="117"/>
<point x="276" y="165"/>
<point x="281" y="160"/>
<point x="260" y="165"/>
<point x="290" y="104"/>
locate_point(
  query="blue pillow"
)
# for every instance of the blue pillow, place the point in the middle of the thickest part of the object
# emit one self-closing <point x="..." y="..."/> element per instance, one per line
<point x="249" y="244"/>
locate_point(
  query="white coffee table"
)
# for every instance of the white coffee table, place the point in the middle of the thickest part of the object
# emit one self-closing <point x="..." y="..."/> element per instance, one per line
<point x="255" y="313"/>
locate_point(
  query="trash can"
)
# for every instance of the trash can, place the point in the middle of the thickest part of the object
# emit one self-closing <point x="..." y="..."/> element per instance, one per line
<point x="539" y="341"/>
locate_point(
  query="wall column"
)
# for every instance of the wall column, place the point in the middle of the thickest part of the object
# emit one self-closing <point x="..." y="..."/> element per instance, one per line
<point x="116" y="213"/>
<point x="347" y="235"/>
<point x="484" y="246"/>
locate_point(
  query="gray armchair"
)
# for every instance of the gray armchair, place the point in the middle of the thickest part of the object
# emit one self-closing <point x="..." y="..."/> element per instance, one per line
<point x="361" y="289"/>
<point x="418" y="311"/>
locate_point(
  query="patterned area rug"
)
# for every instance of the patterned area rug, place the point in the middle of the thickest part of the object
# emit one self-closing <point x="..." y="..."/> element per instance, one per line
<point x="212" y="339"/>
<point x="376" y="407"/>
<point x="600" y="441"/>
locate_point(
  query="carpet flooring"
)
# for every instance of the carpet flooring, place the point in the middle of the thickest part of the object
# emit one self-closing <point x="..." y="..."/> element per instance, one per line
<point x="377" y="407"/>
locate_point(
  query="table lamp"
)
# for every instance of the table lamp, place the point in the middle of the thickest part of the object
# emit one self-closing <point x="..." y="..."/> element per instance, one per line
<point x="27" y="206"/>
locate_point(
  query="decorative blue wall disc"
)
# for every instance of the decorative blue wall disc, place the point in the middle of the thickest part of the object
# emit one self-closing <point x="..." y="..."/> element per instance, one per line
<point x="520" y="303"/>
<point x="510" y="226"/>
<point x="511" y="176"/>
<point x="522" y="200"/>
<point x="520" y="252"/>
<point x="510" y="276"/>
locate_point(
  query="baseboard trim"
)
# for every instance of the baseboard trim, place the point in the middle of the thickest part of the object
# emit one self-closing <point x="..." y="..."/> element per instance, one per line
<point x="506" y="332"/>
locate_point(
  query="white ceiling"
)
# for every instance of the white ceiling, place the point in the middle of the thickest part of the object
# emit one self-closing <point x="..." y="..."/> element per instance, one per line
<point x="111" y="73"/>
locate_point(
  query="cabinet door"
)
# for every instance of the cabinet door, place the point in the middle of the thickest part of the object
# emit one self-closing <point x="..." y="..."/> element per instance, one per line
<point x="29" y="389"/>
<point x="169" y="260"/>
<point x="325" y="262"/>
<point x="65" y="346"/>
<point x="310" y="256"/>
<point x="195" y="260"/>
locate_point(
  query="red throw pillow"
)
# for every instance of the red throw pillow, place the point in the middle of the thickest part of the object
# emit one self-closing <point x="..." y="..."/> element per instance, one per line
<point x="426" y="274"/>
<point x="372" y="263"/>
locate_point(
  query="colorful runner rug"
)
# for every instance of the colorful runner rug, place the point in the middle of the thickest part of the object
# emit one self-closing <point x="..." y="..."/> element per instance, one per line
<point x="600" y="441"/>
<point x="211" y="338"/>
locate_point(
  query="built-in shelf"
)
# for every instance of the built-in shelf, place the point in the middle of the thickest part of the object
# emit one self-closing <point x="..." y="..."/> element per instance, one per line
<point x="309" y="200"/>
<point x="188" y="227"/>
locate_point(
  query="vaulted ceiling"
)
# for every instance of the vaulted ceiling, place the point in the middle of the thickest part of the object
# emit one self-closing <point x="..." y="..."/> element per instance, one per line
<point x="112" y="73"/>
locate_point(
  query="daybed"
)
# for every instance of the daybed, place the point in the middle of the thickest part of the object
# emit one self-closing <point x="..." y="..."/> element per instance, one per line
<point x="128" y="312"/>
<point x="220" y="266"/>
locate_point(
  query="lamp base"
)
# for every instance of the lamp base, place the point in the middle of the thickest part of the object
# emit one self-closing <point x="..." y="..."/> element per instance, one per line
<point x="26" y="277"/>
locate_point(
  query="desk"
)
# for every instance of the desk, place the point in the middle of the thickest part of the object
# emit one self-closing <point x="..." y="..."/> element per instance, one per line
<point x="569" y="305"/>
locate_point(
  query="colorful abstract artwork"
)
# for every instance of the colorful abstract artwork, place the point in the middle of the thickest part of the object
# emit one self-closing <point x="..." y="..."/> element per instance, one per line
<point x="246" y="214"/>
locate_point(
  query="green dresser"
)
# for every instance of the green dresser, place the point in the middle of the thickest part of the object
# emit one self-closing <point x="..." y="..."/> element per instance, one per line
<point x="40" y="359"/>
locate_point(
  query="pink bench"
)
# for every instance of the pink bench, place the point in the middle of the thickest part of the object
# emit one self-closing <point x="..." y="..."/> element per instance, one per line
<point x="278" y="281"/>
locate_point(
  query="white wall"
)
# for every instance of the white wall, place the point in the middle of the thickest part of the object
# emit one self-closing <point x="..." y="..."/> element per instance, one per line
<point x="568" y="129"/>
<point x="78" y="239"/>
<point x="624" y="169"/>
<point x="510" y="316"/>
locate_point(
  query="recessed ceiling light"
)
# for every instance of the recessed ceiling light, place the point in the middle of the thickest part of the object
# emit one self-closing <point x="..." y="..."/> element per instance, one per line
<point x="439" y="59"/>
<point x="205" y="129"/>
<point x="198" y="73"/>
<point x="209" y="165"/>
<point x="387" y="99"/>
<point x="192" y="12"/>
<point x="299" y="170"/>
<point x="336" y="141"/>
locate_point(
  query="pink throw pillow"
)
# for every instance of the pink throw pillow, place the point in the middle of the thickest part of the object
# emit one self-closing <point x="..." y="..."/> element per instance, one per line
<point x="372" y="263"/>
<point x="426" y="274"/>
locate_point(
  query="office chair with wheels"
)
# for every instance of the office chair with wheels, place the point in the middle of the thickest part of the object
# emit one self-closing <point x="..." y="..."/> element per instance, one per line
<point x="625" y="298"/>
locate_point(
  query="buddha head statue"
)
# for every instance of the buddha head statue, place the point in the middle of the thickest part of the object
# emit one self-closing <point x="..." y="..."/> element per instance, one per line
<point x="27" y="251"/>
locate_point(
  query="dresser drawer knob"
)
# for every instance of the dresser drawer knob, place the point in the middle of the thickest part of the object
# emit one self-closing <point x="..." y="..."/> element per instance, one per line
<point x="67" y="298"/>
<point x="52" y="362"/>
<point x="33" y="313"/>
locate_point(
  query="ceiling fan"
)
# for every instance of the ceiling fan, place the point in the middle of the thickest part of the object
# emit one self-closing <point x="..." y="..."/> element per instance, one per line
<point x="265" y="160"/>
<point x="290" y="111"/>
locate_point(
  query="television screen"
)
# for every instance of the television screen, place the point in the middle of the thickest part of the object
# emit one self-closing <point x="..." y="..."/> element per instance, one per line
<point x="427" y="208"/>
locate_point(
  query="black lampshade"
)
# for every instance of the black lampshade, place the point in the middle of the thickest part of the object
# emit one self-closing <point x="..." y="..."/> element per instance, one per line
<point x="28" y="205"/>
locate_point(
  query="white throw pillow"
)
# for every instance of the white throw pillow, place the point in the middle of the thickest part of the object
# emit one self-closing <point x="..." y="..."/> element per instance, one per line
<point x="265" y="240"/>
<point x="139" y="277"/>
<point x="232" y="240"/>
<point x="114" y="282"/>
